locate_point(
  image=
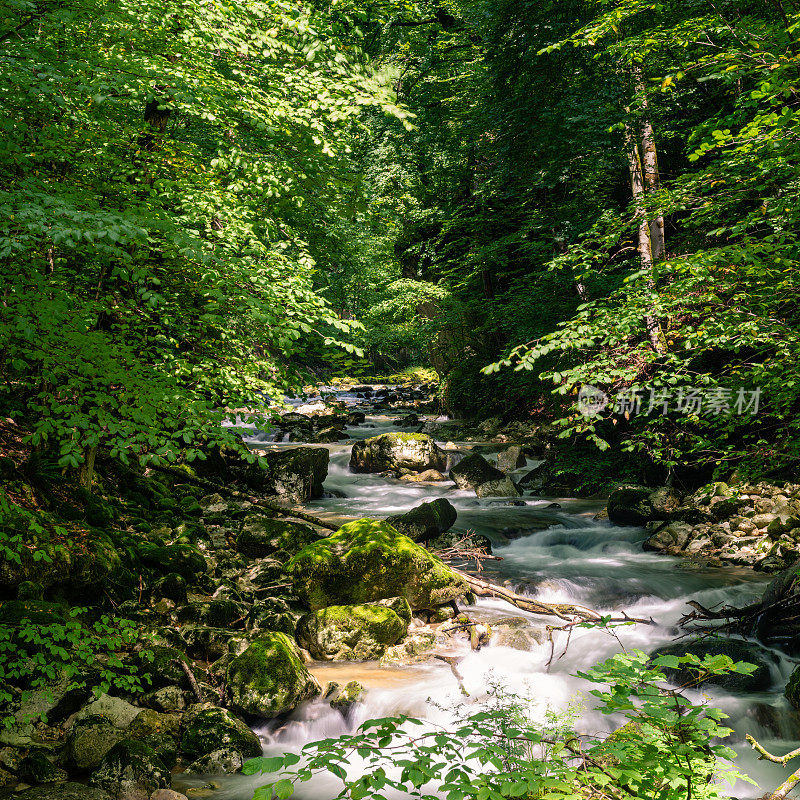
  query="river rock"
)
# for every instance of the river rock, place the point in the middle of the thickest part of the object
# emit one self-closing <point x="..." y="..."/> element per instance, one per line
<point x="208" y="728"/>
<point x="476" y="473"/>
<point x="638" y="505"/>
<point x="429" y="476"/>
<point x="412" y="451"/>
<point x="368" y="560"/>
<point x="180" y="558"/>
<point x="474" y="470"/>
<point x="736" y="649"/>
<point x="296" y="474"/>
<point x="162" y="667"/>
<point x="352" y="693"/>
<point x="511" y="458"/>
<point x="269" y="678"/>
<point x="352" y="633"/>
<point x="115" y="710"/>
<point x="425" y="521"/>
<point x="671" y="537"/>
<point x="263" y="536"/>
<point x="88" y="741"/>
<point x="131" y="770"/>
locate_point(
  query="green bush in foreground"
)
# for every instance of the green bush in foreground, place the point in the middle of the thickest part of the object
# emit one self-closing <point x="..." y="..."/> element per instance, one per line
<point x="666" y="750"/>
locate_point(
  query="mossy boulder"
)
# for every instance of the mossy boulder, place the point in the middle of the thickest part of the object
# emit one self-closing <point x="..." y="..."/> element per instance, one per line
<point x="215" y="613"/>
<point x="88" y="741"/>
<point x="412" y="451"/>
<point x="426" y="521"/>
<point x="161" y="666"/>
<point x="180" y="558"/>
<point x="131" y="770"/>
<point x="208" y="728"/>
<point x="269" y="678"/>
<point x="368" y="560"/>
<point x="351" y="633"/>
<point x="261" y="536"/>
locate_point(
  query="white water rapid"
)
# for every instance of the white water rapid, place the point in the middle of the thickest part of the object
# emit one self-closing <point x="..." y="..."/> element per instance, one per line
<point x="554" y="554"/>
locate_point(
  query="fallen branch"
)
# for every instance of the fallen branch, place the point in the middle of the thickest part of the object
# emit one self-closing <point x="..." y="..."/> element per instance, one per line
<point x="453" y="661"/>
<point x="189" y="677"/>
<point x="565" y="611"/>
<point x="763" y="755"/>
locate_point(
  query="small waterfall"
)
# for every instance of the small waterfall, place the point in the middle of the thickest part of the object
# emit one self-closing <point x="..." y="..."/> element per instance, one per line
<point x="559" y="554"/>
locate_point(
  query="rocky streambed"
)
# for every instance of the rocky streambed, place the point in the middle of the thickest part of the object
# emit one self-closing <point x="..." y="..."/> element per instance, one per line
<point x="262" y="633"/>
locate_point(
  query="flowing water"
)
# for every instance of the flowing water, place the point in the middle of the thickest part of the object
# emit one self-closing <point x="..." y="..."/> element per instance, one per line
<point x="553" y="553"/>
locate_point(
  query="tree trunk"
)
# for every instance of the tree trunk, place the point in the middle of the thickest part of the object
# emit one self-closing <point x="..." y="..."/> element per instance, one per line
<point x="645" y="244"/>
<point x="87" y="468"/>
<point x="652" y="176"/>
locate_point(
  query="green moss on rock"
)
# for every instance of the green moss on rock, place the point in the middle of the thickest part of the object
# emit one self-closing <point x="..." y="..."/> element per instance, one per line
<point x="269" y="678"/>
<point x="262" y="536"/>
<point x="368" y="560"/>
<point x="352" y="633"/>
<point x="413" y="451"/>
<point x="208" y="728"/>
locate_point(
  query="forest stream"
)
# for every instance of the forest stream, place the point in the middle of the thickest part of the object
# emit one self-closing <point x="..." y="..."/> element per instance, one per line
<point x="558" y="554"/>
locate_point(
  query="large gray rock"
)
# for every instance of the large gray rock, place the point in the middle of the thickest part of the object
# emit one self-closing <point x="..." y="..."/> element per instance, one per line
<point x="476" y="473"/>
<point x="368" y="560"/>
<point x="673" y="536"/>
<point x="412" y="451"/>
<point x="131" y="770"/>
<point x="426" y="521"/>
<point x="296" y="474"/>
<point x="511" y="458"/>
<point x="353" y="633"/>
<point x="88" y="741"/>
<point x="269" y="678"/>
<point x="638" y="505"/>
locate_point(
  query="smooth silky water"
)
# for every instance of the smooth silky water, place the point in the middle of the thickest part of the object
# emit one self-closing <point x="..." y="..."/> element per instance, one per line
<point x="558" y="554"/>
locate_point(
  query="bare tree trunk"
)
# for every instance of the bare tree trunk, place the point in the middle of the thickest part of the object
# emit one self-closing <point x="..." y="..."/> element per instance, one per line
<point x="645" y="244"/>
<point x="652" y="176"/>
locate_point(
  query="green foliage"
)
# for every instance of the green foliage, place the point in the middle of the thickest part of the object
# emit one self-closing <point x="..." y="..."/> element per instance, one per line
<point x="154" y="249"/>
<point x="668" y="747"/>
<point x="35" y="653"/>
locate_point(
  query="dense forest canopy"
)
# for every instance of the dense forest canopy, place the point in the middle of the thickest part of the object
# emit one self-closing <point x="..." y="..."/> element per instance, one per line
<point x="203" y="202"/>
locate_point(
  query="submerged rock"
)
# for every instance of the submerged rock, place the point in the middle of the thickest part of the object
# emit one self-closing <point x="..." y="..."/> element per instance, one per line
<point x="352" y="633"/>
<point x="368" y="560"/>
<point x="413" y="451"/>
<point x="269" y="678"/>
<point x="425" y="521"/>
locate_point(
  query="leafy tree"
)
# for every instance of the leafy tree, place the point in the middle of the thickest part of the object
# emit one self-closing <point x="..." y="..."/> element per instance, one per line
<point x="154" y="255"/>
